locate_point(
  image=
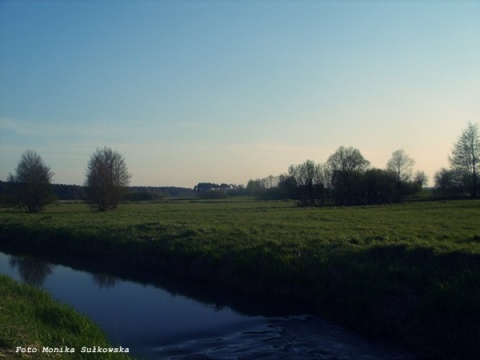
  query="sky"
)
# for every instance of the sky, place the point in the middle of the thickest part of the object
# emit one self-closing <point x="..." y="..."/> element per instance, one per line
<point x="227" y="91"/>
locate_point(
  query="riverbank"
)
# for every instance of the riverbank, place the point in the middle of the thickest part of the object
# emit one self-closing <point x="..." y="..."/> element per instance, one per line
<point x="34" y="326"/>
<point x="407" y="273"/>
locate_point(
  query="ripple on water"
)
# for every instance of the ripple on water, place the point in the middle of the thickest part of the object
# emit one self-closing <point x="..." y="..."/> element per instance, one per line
<point x="299" y="337"/>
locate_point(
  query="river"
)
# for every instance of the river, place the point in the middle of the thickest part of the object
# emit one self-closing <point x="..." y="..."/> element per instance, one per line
<point x="185" y="320"/>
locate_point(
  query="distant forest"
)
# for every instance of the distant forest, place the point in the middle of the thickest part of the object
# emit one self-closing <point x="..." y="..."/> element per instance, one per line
<point x="374" y="187"/>
<point x="136" y="193"/>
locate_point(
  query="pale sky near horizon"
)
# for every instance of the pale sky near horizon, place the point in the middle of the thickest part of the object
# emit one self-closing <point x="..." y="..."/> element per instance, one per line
<point x="227" y="91"/>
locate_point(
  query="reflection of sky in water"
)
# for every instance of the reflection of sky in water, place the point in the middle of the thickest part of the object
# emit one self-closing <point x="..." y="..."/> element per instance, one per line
<point x="153" y="323"/>
<point x="136" y="315"/>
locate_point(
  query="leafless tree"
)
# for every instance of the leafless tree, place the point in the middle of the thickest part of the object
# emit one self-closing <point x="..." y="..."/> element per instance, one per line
<point x="305" y="174"/>
<point x="465" y="156"/>
<point x="401" y="165"/>
<point x="31" y="183"/>
<point x="107" y="178"/>
<point x="309" y="179"/>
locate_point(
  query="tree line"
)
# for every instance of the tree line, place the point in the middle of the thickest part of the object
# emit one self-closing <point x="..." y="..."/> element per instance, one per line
<point x="346" y="178"/>
<point x="68" y="192"/>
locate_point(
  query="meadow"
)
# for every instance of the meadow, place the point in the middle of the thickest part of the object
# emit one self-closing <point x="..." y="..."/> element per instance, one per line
<point x="405" y="272"/>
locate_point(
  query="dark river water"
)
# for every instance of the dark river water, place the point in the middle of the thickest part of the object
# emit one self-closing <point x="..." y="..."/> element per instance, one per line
<point x="187" y="321"/>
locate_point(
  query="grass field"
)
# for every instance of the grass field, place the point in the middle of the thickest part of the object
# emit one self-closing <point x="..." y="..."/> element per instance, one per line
<point x="409" y="272"/>
<point x="32" y="325"/>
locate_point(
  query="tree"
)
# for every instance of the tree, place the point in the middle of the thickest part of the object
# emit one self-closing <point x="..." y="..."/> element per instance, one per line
<point x="379" y="186"/>
<point x="308" y="178"/>
<point x="420" y="179"/>
<point x="31" y="183"/>
<point x="287" y="186"/>
<point x="465" y="157"/>
<point x="347" y="160"/>
<point x="107" y="178"/>
<point x="450" y="183"/>
<point x="346" y="166"/>
<point x="401" y="166"/>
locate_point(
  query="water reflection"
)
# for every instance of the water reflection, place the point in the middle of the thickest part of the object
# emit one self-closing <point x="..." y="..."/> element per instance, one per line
<point x="158" y="321"/>
<point x="104" y="281"/>
<point x="33" y="271"/>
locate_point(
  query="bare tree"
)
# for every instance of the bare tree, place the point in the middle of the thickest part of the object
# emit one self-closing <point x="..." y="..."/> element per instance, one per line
<point x="31" y="182"/>
<point x="306" y="174"/>
<point x="107" y="178"/>
<point x="465" y="156"/>
<point x="401" y="165"/>
<point x="308" y="178"/>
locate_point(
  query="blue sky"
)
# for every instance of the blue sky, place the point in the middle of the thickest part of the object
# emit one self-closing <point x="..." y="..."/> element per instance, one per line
<point x="227" y="91"/>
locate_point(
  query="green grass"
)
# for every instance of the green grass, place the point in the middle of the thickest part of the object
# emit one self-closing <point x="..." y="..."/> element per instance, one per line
<point x="408" y="272"/>
<point x="30" y="318"/>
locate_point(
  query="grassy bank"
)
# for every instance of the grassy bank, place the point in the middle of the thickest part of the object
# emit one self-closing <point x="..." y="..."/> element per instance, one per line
<point x="33" y="325"/>
<point x="406" y="272"/>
